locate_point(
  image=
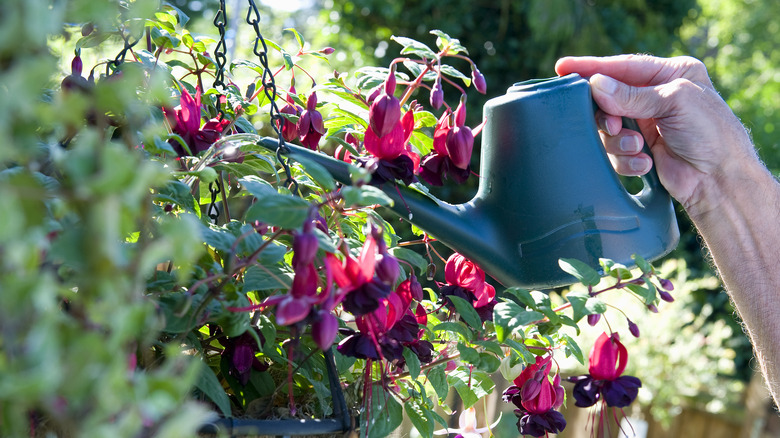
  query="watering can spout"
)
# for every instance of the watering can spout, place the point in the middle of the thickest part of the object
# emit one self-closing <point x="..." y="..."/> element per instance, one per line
<point x="547" y="191"/>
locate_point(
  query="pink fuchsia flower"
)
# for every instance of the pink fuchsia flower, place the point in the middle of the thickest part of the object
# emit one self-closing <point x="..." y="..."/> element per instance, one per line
<point x="185" y="121"/>
<point x="537" y="398"/>
<point x="464" y="273"/>
<point x="460" y="140"/>
<point x="605" y="381"/>
<point x="311" y="126"/>
<point x="385" y="110"/>
<point x="290" y="128"/>
<point x="467" y="425"/>
<point x="359" y="290"/>
<point x="478" y="79"/>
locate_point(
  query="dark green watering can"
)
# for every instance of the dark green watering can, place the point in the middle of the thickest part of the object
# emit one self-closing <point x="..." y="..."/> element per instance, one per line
<point x="547" y="191"/>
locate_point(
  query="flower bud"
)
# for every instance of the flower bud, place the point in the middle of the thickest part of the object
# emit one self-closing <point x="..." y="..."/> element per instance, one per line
<point x="666" y="284"/>
<point x="460" y="143"/>
<point x="291" y="310"/>
<point x="305" y="247"/>
<point x="594" y="319"/>
<point x="387" y="269"/>
<point x="633" y="328"/>
<point x="666" y="296"/>
<point x="437" y="95"/>
<point x="327" y="50"/>
<point x="87" y="29"/>
<point x="652" y="308"/>
<point x="76" y="66"/>
<point x="460" y="112"/>
<point x="478" y="80"/>
<point x="324" y="329"/>
<point x="384" y="113"/>
<point x="416" y="288"/>
<point x="430" y="271"/>
<point x="390" y="82"/>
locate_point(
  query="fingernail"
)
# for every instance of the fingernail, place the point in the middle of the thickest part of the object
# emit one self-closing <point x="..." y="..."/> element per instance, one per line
<point x="604" y="83"/>
<point x="630" y="143"/>
<point x="639" y="164"/>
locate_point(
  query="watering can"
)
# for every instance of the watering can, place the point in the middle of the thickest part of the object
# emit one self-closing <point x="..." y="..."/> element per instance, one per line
<point x="546" y="191"/>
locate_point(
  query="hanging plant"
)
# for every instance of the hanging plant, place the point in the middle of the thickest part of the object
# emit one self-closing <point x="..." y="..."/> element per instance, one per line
<point x="299" y="298"/>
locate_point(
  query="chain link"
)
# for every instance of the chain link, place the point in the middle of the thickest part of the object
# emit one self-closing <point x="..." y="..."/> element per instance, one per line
<point x="269" y="87"/>
<point x="213" y="211"/>
<point x="220" y="21"/>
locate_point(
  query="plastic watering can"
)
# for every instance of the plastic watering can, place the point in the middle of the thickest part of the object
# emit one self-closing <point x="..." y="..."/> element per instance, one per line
<point x="546" y="191"/>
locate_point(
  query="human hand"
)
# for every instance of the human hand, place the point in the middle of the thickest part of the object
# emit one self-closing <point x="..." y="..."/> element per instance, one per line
<point x="694" y="137"/>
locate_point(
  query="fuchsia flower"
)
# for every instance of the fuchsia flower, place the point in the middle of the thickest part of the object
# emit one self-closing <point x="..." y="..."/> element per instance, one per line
<point x="467" y="425"/>
<point x="462" y="272"/>
<point x="607" y="361"/>
<point x="310" y="126"/>
<point x="290" y="129"/>
<point x="537" y="398"/>
<point x="453" y="144"/>
<point x="240" y="353"/>
<point x="185" y="121"/>
<point x="387" y="137"/>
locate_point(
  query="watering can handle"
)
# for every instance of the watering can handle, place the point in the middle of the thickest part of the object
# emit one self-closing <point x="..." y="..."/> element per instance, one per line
<point x="651" y="180"/>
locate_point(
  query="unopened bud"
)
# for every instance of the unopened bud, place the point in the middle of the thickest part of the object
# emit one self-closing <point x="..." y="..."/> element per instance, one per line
<point x="87" y="29"/>
<point x="666" y="296"/>
<point x="437" y="95"/>
<point x="383" y="114"/>
<point x="305" y="247"/>
<point x="76" y="66"/>
<point x="666" y="284"/>
<point x="652" y="308"/>
<point x="460" y="144"/>
<point x="633" y="328"/>
<point x="416" y="288"/>
<point x="478" y="80"/>
<point x="430" y="272"/>
<point x="594" y="319"/>
<point x="387" y="269"/>
<point x="327" y="50"/>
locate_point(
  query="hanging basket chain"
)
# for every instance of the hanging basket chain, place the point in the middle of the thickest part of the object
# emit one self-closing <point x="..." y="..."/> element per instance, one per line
<point x="269" y="87"/>
<point x="219" y="53"/>
<point x="213" y="211"/>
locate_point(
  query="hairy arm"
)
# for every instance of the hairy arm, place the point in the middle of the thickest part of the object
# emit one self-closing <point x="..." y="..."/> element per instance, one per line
<point x="705" y="159"/>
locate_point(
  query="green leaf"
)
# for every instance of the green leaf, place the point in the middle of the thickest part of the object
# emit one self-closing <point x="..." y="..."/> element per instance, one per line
<point x="318" y="173"/>
<point x="386" y="414"/>
<point x="412" y="257"/>
<point x="508" y="317"/>
<point x="365" y="195"/>
<point x="285" y="211"/>
<point x="412" y="363"/>
<point x="455" y="73"/>
<point x="466" y="311"/>
<point x="522" y="295"/>
<point x="445" y="41"/>
<point x="209" y="385"/>
<point x="420" y="417"/>
<point x="266" y="278"/>
<point x="454" y="327"/>
<point x="471" y="386"/>
<point x="298" y="36"/>
<point x="414" y="46"/>
<point x="288" y="59"/>
<point x="642" y="264"/>
<point x="571" y="348"/>
<point x="647" y="292"/>
<point x="178" y="193"/>
<point x="581" y="271"/>
<point x="468" y="354"/>
<point x="438" y="378"/>
<point x="488" y="363"/>
<point x="521" y="350"/>
<point x="583" y="304"/>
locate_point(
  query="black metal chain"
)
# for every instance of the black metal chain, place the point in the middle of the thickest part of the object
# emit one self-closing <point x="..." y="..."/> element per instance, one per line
<point x="213" y="211"/>
<point x="269" y="87"/>
<point x="220" y="21"/>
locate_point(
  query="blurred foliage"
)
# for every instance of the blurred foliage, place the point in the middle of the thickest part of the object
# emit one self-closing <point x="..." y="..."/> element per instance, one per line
<point x="737" y="40"/>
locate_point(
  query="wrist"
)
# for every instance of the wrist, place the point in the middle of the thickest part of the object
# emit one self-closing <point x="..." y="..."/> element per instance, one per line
<point x="743" y="180"/>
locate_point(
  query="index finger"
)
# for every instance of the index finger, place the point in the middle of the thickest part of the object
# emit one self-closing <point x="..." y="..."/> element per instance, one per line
<point x="636" y="70"/>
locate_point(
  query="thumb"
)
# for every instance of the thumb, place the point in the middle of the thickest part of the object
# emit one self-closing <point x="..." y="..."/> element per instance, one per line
<point x="619" y="99"/>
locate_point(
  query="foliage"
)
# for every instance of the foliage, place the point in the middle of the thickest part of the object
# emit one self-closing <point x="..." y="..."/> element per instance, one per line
<point x="156" y="251"/>
<point x="736" y="39"/>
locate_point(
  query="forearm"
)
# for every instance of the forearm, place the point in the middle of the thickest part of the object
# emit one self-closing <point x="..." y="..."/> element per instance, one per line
<point x="741" y="227"/>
